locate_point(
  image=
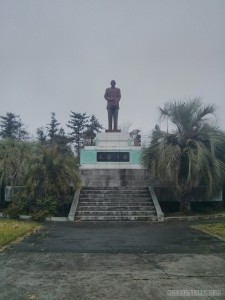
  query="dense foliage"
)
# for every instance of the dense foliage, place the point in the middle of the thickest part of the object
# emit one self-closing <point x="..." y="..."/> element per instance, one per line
<point x="77" y="125"/>
<point x="47" y="174"/>
<point x="189" y="156"/>
<point x="11" y="126"/>
<point x="42" y="174"/>
<point x="92" y="128"/>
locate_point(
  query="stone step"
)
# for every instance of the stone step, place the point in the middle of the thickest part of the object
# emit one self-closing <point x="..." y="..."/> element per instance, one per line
<point x="115" y="213"/>
<point x="118" y="199"/>
<point x="116" y="184"/>
<point x="114" y="197"/>
<point x="115" y="202"/>
<point x="114" y="208"/>
<point x="116" y="218"/>
<point x="114" y="192"/>
<point x="135" y="188"/>
<point x="108" y="196"/>
<point x="131" y="196"/>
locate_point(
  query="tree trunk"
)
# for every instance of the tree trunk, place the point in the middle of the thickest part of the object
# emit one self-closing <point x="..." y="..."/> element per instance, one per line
<point x="185" y="205"/>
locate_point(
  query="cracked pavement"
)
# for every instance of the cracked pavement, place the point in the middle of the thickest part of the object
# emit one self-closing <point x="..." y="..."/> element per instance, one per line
<point x="112" y="261"/>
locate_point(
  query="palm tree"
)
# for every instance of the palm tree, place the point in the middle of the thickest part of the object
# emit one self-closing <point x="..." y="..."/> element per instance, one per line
<point x="13" y="159"/>
<point x="51" y="173"/>
<point x="191" y="155"/>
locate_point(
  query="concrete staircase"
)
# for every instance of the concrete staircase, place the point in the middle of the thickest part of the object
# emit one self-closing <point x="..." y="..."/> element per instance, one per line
<point x="115" y="204"/>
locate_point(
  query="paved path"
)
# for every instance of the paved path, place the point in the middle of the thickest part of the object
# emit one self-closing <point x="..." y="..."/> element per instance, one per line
<point x="112" y="261"/>
<point x="124" y="237"/>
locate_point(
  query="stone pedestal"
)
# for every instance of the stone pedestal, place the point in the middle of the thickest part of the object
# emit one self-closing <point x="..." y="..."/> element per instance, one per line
<point x="112" y="150"/>
<point x="112" y="130"/>
<point x="114" y="177"/>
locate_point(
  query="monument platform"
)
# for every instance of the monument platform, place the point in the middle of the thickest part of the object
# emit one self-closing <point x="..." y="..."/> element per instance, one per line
<point x="112" y="130"/>
<point x="112" y="150"/>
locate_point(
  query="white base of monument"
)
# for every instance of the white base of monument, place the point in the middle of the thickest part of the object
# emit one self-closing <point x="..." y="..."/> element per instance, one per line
<point x="113" y="150"/>
<point x="109" y="166"/>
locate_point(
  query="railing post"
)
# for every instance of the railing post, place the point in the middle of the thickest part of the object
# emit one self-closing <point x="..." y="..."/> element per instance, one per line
<point x="73" y="208"/>
<point x="160" y="214"/>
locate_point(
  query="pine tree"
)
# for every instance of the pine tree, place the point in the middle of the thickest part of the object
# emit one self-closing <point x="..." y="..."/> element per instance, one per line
<point x="52" y="128"/>
<point x="77" y="124"/>
<point x="63" y="141"/>
<point x="54" y="136"/>
<point x="92" y="128"/>
<point x="41" y="135"/>
<point x="11" y="126"/>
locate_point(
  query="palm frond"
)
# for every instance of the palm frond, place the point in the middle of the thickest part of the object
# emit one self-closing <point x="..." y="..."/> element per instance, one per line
<point x="193" y="154"/>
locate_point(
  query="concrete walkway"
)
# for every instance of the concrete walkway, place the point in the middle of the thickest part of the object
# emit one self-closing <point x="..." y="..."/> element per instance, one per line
<point x="112" y="261"/>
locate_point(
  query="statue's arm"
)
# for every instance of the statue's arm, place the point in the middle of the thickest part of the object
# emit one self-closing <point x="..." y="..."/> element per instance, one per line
<point x="106" y="96"/>
<point x="119" y="95"/>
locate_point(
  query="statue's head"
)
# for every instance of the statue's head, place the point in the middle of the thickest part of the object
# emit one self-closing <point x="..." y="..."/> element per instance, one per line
<point x="113" y="83"/>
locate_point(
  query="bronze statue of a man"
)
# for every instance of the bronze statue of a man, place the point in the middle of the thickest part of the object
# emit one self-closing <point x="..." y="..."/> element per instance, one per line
<point x="112" y="96"/>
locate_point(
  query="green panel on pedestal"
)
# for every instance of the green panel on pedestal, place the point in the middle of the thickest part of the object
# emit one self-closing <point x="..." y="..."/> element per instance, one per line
<point x="129" y="142"/>
<point x="88" y="156"/>
<point x="135" y="156"/>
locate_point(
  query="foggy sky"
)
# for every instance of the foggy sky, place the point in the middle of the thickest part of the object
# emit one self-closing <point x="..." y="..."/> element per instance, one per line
<point x="60" y="55"/>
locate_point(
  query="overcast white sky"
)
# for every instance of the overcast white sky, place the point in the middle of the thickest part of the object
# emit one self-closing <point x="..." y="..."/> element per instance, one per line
<point x="60" y="55"/>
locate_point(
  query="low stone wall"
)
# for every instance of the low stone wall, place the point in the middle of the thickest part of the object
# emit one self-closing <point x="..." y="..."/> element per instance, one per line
<point x="27" y="217"/>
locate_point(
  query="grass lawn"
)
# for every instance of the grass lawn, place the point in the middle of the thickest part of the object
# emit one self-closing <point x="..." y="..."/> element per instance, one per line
<point x="11" y="230"/>
<point x="215" y="229"/>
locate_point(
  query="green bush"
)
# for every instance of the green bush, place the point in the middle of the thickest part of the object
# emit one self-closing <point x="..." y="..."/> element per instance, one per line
<point x="17" y="207"/>
<point x="39" y="210"/>
<point x="45" y="207"/>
